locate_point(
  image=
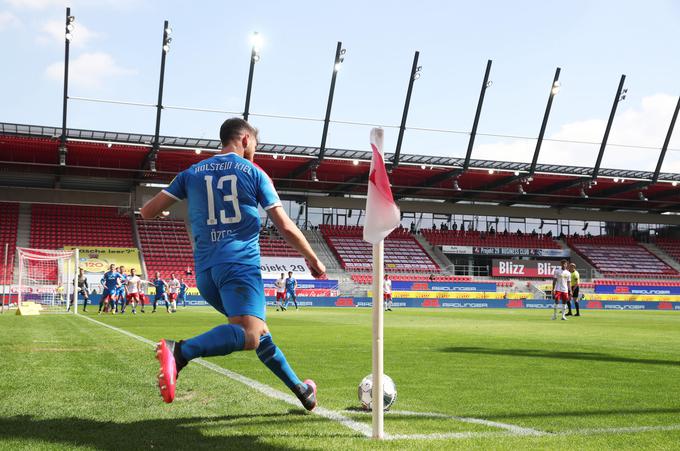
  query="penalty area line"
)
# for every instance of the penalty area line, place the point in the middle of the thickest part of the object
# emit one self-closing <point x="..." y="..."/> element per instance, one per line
<point x="266" y="390"/>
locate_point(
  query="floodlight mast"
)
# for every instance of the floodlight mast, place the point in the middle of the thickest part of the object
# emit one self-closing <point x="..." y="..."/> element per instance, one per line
<point x="554" y="89"/>
<point x="256" y="40"/>
<point x="603" y="145"/>
<point x="151" y="157"/>
<point x="415" y="74"/>
<point x="68" y="28"/>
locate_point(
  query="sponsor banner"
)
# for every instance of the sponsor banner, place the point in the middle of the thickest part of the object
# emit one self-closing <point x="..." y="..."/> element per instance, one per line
<point x="523" y="268"/>
<point x="272" y="267"/>
<point x="637" y="289"/>
<point x="98" y="259"/>
<point x="632" y="297"/>
<point x="521" y="251"/>
<point x="197" y="301"/>
<point x="313" y="284"/>
<point x="455" y="295"/>
<point x="443" y="286"/>
<point x="464" y="250"/>
<point x="302" y="292"/>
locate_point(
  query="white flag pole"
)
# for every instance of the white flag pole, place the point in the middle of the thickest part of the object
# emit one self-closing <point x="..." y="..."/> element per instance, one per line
<point x="377" y="395"/>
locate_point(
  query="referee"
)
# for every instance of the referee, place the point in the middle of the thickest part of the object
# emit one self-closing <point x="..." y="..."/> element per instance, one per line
<point x="575" y="282"/>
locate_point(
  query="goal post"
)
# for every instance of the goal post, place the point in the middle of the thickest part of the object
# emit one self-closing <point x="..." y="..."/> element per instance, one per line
<point x="49" y="279"/>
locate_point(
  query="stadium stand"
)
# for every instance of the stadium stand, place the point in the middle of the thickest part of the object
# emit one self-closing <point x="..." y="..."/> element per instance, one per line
<point x="402" y="252"/>
<point x="272" y="245"/>
<point x="620" y="257"/>
<point x="166" y="248"/>
<point x="482" y="239"/>
<point x="9" y="218"/>
<point x="670" y="247"/>
<point x="56" y="226"/>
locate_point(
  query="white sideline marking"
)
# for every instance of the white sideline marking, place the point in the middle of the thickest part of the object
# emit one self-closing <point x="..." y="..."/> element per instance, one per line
<point x="266" y="390"/>
<point x="515" y="430"/>
<point x="621" y="430"/>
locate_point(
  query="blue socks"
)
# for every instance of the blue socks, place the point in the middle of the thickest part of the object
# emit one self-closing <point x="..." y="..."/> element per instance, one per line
<point x="274" y="359"/>
<point x="221" y="340"/>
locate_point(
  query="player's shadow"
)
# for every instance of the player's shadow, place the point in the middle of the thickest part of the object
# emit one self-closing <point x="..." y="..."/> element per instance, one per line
<point x="166" y="433"/>
<point x="562" y="355"/>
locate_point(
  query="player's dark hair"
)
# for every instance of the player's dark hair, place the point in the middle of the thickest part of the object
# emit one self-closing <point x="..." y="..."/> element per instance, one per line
<point x="564" y="260"/>
<point x="232" y="128"/>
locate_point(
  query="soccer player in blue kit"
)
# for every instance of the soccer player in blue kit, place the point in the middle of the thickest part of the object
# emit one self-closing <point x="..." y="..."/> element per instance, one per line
<point x="110" y="283"/>
<point x="223" y="193"/>
<point x="291" y="286"/>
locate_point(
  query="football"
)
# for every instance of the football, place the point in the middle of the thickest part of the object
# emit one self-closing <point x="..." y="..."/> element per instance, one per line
<point x="366" y="390"/>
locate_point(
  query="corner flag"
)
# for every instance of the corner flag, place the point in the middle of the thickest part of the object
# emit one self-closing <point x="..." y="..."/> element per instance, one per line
<point x="382" y="213"/>
<point x="382" y="216"/>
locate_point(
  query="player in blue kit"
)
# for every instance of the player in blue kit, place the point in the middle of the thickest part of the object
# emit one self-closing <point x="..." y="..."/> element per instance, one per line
<point x="291" y="286"/>
<point x="223" y="193"/>
<point x="183" y="292"/>
<point x="110" y="283"/>
<point x="120" y="295"/>
<point x="161" y="295"/>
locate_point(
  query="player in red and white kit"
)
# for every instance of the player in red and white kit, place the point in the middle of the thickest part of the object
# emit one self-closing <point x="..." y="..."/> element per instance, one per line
<point x="561" y="289"/>
<point x="134" y="290"/>
<point x="280" y="285"/>
<point x="173" y="292"/>
<point x="387" y="293"/>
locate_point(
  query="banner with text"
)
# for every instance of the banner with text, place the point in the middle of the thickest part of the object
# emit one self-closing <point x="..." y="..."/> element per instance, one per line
<point x="637" y="289"/>
<point x="272" y="267"/>
<point x="306" y="288"/>
<point x="443" y="286"/>
<point x="98" y="259"/>
<point x="523" y="268"/>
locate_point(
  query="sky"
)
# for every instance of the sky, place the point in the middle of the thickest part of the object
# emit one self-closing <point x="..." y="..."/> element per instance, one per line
<point x="115" y="54"/>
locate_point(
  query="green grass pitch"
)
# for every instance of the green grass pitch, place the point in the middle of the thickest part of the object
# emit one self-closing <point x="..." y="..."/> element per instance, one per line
<point x="607" y="380"/>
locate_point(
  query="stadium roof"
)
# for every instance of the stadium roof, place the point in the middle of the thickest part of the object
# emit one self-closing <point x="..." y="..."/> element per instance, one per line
<point x="32" y="151"/>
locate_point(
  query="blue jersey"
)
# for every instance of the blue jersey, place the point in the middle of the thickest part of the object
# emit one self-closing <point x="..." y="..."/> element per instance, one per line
<point x="290" y="284"/>
<point x="110" y="280"/>
<point x="160" y="285"/>
<point x="224" y="193"/>
<point x="123" y="279"/>
<point x="183" y="289"/>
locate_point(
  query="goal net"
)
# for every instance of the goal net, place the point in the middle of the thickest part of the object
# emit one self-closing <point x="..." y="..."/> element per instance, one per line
<point x="47" y="278"/>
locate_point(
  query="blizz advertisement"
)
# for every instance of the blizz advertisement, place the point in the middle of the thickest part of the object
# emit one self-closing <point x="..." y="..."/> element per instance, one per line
<point x="512" y="267"/>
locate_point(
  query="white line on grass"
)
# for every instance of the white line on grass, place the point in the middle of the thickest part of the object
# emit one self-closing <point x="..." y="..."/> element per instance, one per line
<point x="266" y="390"/>
<point x="516" y="430"/>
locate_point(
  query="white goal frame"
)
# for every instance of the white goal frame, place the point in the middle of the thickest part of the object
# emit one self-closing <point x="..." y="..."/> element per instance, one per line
<point x="34" y="285"/>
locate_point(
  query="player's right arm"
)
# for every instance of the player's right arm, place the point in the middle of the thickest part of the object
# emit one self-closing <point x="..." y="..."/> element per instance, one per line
<point x="296" y="239"/>
<point x="175" y="192"/>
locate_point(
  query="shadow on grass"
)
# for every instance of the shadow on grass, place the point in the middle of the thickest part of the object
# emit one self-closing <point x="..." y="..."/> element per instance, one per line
<point x="167" y="433"/>
<point x="562" y="355"/>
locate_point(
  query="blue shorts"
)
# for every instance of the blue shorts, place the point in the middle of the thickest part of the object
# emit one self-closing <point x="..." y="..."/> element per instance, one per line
<point x="159" y="297"/>
<point x="233" y="289"/>
<point x="109" y="292"/>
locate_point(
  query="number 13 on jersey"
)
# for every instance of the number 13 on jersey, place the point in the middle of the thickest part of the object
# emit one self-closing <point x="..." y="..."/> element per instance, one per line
<point x="232" y="197"/>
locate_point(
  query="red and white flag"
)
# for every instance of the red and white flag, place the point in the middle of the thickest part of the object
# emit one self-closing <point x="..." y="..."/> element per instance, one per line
<point x="382" y="213"/>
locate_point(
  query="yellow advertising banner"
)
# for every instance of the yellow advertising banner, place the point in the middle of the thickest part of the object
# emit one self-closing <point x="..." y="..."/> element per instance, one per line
<point x="98" y="259"/>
